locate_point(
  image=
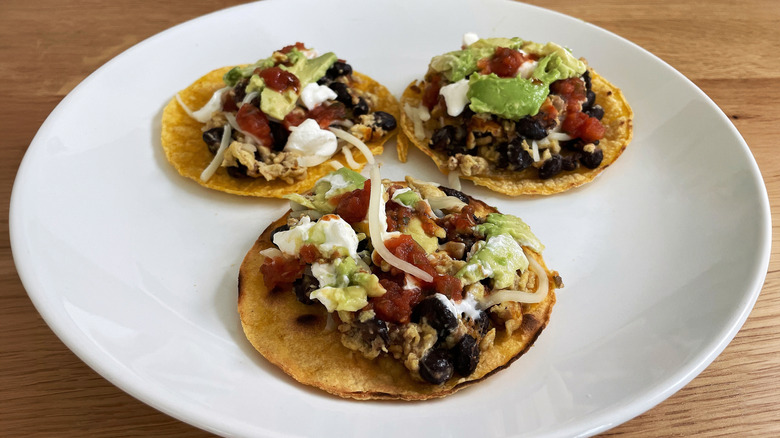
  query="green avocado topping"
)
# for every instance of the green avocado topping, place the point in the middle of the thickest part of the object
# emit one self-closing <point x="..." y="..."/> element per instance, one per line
<point x="272" y="102"/>
<point x="497" y="224"/>
<point x="510" y="98"/>
<point x="333" y="184"/>
<point x="499" y="258"/>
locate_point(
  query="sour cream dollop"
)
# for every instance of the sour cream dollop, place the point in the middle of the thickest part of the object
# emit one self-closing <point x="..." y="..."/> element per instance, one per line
<point x="315" y="145"/>
<point x="314" y="94"/>
<point x="455" y="96"/>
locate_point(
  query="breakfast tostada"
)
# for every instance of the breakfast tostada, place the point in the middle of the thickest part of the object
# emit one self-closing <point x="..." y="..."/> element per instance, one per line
<point x="515" y="116"/>
<point x="372" y="289"/>
<point x="278" y="125"/>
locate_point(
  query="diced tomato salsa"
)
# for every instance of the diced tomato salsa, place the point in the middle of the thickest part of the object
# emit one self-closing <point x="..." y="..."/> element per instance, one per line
<point x="279" y="271"/>
<point x="352" y="206"/>
<point x="250" y="119"/>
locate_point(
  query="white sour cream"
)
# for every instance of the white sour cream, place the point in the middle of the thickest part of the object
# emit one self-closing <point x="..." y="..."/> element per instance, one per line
<point x="469" y="38"/>
<point x="314" y="94"/>
<point x="316" y="145"/>
<point x="455" y="96"/>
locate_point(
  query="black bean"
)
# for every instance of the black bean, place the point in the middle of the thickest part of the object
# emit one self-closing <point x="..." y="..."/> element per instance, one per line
<point x="586" y="78"/>
<point x="593" y="159"/>
<point x="361" y="107"/>
<point x="570" y="162"/>
<point x="213" y="138"/>
<point x="324" y="81"/>
<point x="279" y="134"/>
<point x="384" y="120"/>
<point x="436" y="367"/>
<point x="442" y="138"/>
<point x="455" y="193"/>
<point x="573" y="145"/>
<point x="465" y="355"/>
<point x="482" y="323"/>
<point x="596" y="111"/>
<point x="284" y="227"/>
<point x="363" y="244"/>
<point x="531" y="127"/>
<point x="239" y="90"/>
<point x="303" y="287"/>
<point x="342" y="93"/>
<point x="590" y="100"/>
<point x="551" y="167"/>
<point x="372" y="329"/>
<point x="469" y="241"/>
<point x="436" y="314"/>
<point x="237" y="171"/>
<point x="338" y="69"/>
<point x="517" y="157"/>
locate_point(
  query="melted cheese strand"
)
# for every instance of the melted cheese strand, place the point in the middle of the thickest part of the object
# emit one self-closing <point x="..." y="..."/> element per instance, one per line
<point x="453" y="179"/>
<point x="209" y="171"/>
<point x="377" y="236"/>
<point x="204" y="114"/>
<point x="351" y="139"/>
<point x="249" y="97"/>
<point x="542" y="289"/>
<point x="348" y="156"/>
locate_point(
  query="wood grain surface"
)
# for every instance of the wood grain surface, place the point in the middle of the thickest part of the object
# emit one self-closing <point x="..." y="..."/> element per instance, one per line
<point x="730" y="49"/>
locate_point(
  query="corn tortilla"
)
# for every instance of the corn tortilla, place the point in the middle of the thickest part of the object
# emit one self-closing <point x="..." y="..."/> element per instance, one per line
<point x="618" y="121"/>
<point x="186" y="151"/>
<point x="292" y="336"/>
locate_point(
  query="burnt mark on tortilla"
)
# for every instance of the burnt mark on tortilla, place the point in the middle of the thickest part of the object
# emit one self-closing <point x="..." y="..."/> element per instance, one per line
<point x="307" y="319"/>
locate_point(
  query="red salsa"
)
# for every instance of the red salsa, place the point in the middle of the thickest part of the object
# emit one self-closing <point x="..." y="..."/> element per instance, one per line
<point x="352" y="206"/>
<point x="253" y="121"/>
<point x="277" y="79"/>
<point x="278" y="271"/>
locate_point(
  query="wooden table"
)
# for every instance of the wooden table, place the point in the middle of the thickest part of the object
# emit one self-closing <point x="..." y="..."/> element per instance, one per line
<point x="731" y="49"/>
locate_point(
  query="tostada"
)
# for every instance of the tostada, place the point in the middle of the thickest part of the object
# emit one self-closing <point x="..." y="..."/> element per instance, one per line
<point x="276" y="126"/>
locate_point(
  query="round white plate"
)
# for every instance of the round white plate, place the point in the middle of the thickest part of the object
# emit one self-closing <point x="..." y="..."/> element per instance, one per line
<point x="135" y="268"/>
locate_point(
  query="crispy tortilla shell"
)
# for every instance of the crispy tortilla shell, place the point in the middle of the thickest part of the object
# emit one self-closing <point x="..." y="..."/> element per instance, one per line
<point x="292" y="336"/>
<point x="618" y="121"/>
<point x="186" y="151"/>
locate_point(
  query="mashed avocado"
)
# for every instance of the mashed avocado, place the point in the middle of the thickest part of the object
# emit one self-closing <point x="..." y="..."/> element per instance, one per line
<point x="457" y="65"/>
<point x="333" y="184"/>
<point x="272" y="102"/>
<point x="499" y="258"/>
<point x="498" y="224"/>
<point x="344" y="285"/>
<point x="278" y="105"/>
<point x="510" y="98"/>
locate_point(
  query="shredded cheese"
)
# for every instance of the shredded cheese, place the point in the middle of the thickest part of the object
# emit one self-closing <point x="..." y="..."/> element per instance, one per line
<point x="560" y="136"/>
<point x="271" y="252"/>
<point x="232" y="120"/>
<point x="453" y="179"/>
<point x="249" y="97"/>
<point x="335" y="164"/>
<point x="535" y="151"/>
<point x="351" y="139"/>
<point x="204" y="114"/>
<point x="348" y="156"/>
<point x="209" y="171"/>
<point x="542" y="289"/>
<point x="376" y="228"/>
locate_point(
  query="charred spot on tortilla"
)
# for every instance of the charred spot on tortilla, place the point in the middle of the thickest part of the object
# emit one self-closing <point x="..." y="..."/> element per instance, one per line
<point x="277" y="126"/>
<point x="419" y="290"/>
<point x="517" y="117"/>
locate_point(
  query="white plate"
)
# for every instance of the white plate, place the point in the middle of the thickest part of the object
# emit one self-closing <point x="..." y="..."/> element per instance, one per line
<point x="135" y="267"/>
